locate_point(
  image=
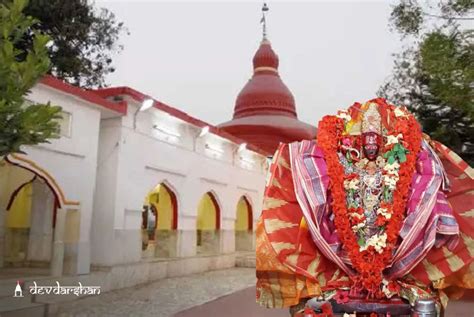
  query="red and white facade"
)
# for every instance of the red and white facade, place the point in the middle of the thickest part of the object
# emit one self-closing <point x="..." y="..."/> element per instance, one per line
<point x="111" y="155"/>
<point x="94" y="178"/>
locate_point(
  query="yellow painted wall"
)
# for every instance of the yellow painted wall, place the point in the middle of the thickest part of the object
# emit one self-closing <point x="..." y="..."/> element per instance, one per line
<point x="206" y="219"/>
<point x="152" y="197"/>
<point x="4" y="172"/>
<point x="73" y="221"/>
<point x="242" y="221"/>
<point x="19" y="214"/>
<point x="165" y="210"/>
<point x="160" y="197"/>
<point x="11" y="177"/>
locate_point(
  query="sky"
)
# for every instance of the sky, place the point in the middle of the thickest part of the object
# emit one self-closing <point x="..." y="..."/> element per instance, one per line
<point x="196" y="56"/>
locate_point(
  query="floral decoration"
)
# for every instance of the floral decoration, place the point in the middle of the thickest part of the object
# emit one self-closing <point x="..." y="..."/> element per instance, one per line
<point x="398" y="157"/>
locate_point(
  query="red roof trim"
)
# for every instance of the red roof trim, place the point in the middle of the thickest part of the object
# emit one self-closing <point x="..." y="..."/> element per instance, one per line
<point x="138" y="96"/>
<point x="86" y="95"/>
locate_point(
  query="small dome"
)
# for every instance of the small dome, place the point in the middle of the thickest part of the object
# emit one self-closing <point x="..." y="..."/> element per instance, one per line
<point x="265" y="56"/>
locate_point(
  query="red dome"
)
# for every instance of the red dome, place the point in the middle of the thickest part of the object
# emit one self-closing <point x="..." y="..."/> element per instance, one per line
<point x="265" y="92"/>
<point x="265" y="56"/>
<point x="265" y="113"/>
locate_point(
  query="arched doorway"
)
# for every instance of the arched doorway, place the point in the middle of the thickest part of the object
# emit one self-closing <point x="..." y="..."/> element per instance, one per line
<point x="208" y="225"/>
<point x="29" y="207"/>
<point x="159" y="222"/>
<point x="243" y="225"/>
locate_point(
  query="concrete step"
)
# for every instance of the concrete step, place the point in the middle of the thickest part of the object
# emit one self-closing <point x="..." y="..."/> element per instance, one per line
<point x="247" y="259"/>
<point x="34" y="310"/>
<point x="21" y="306"/>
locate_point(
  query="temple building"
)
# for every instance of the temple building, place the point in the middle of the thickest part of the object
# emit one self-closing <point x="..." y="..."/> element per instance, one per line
<point x="265" y="112"/>
<point x="135" y="190"/>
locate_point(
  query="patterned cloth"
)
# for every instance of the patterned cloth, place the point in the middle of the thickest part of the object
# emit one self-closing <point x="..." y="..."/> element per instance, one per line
<point x="299" y="254"/>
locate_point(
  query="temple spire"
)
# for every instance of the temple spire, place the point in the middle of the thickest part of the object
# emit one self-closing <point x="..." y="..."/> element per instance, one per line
<point x="264" y="21"/>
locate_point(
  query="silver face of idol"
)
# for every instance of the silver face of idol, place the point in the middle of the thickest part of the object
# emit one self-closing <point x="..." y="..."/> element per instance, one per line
<point x="370" y="145"/>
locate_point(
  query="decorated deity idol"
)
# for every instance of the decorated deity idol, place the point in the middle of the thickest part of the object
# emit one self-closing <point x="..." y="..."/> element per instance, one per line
<point x="372" y="211"/>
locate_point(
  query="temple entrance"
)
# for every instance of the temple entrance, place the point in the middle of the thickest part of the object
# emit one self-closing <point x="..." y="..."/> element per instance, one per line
<point x="208" y="225"/>
<point x="159" y="222"/>
<point x="28" y="208"/>
<point x="243" y="226"/>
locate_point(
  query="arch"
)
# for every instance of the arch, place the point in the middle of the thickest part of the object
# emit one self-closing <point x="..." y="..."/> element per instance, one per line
<point x="31" y="201"/>
<point x="163" y="201"/>
<point x="28" y="178"/>
<point x="160" y="222"/>
<point x="208" y="225"/>
<point x="173" y="192"/>
<point x="34" y="168"/>
<point x="174" y="205"/>
<point x="209" y="213"/>
<point x="244" y="225"/>
<point x="244" y="217"/>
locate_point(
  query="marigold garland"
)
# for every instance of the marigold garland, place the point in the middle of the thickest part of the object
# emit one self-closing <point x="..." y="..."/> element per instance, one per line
<point x="368" y="263"/>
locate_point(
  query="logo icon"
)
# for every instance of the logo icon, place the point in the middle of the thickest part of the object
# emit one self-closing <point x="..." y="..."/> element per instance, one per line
<point x="18" y="290"/>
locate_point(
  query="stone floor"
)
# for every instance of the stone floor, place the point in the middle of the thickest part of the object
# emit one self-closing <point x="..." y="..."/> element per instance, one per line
<point x="21" y="273"/>
<point x="228" y="292"/>
<point x="239" y="304"/>
<point x="163" y="297"/>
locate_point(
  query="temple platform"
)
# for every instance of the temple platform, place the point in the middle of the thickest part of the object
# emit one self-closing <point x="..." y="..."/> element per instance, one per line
<point x="108" y="278"/>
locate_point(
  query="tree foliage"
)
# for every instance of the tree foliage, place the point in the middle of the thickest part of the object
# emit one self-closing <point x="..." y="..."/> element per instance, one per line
<point x="21" y="123"/>
<point x="434" y="74"/>
<point x="83" y="39"/>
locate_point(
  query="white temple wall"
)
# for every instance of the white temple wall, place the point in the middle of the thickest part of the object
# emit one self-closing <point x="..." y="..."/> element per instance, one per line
<point x="106" y="167"/>
<point x="147" y="157"/>
<point x="71" y="161"/>
<point x="102" y="235"/>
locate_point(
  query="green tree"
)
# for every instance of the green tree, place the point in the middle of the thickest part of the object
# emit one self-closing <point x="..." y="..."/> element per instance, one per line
<point x="434" y="74"/>
<point x="21" y="123"/>
<point x="83" y="39"/>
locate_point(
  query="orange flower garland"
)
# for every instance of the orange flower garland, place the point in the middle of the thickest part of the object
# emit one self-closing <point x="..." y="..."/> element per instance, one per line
<point x="369" y="263"/>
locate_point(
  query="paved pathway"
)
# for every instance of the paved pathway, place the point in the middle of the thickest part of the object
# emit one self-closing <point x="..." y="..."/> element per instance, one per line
<point x="238" y="304"/>
<point x="162" y="298"/>
<point x="229" y="293"/>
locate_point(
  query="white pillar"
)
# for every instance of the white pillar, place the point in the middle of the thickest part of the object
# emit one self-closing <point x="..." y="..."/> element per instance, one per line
<point x="41" y="229"/>
<point x="186" y="243"/>
<point x="58" y="246"/>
